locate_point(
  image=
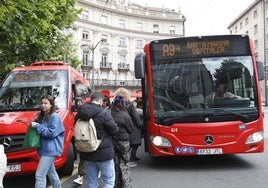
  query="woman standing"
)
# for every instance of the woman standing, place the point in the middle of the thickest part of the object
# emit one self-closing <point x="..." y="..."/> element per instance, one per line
<point x="121" y="143"/>
<point x="48" y="124"/>
<point x="135" y="137"/>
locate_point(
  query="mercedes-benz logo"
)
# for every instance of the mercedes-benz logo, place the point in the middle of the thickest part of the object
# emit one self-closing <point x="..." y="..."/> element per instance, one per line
<point x="208" y="139"/>
<point x="6" y="142"/>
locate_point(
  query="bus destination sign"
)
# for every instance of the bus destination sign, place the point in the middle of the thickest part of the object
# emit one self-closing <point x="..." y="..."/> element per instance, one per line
<point x="199" y="47"/>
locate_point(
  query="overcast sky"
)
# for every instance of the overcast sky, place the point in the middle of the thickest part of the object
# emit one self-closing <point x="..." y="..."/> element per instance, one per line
<point x="203" y="17"/>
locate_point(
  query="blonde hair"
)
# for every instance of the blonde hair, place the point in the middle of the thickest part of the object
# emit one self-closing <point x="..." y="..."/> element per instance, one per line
<point x="123" y="92"/>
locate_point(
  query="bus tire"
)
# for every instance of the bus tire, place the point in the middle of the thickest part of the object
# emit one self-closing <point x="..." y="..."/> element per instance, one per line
<point x="68" y="167"/>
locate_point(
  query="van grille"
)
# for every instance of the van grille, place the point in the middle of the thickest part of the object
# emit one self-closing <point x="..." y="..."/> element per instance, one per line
<point x="12" y="143"/>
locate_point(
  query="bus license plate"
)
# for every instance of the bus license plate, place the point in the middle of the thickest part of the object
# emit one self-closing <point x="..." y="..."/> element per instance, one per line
<point x="14" y="168"/>
<point x="211" y="151"/>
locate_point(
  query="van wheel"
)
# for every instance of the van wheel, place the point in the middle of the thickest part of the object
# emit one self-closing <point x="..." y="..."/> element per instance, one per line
<point x="68" y="167"/>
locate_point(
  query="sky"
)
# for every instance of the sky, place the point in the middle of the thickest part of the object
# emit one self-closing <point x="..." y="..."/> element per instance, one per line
<point x="203" y="17"/>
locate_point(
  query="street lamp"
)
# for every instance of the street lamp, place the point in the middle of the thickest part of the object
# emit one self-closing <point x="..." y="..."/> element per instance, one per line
<point x="92" y="48"/>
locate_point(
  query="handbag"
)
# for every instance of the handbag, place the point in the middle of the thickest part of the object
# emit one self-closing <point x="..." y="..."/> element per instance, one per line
<point x="32" y="138"/>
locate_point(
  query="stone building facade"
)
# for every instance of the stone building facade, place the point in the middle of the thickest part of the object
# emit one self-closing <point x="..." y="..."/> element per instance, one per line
<point x="254" y="22"/>
<point x="109" y="33"/>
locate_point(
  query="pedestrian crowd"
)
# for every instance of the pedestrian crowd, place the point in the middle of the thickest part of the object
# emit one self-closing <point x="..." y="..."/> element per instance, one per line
<point x="119" y="125"/>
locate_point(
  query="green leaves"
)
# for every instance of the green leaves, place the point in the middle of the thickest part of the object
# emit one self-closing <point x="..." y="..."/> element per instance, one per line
<point x="32" y="31"/>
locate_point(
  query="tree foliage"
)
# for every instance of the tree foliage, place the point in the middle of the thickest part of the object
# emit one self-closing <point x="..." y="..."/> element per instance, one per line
<point x="228" y="71"/>
<point x="35" y="30"/>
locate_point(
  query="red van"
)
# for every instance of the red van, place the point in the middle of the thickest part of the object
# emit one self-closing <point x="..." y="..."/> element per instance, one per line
<point x="20" y="96"/>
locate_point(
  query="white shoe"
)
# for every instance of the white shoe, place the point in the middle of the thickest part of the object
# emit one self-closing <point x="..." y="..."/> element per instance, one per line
<point x="99" y="175"/>
<point x="132" y="164"/>
<point x="79" y="180"/>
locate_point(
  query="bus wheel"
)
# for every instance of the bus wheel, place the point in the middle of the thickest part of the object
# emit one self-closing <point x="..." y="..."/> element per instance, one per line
<point x="68" y="167"/>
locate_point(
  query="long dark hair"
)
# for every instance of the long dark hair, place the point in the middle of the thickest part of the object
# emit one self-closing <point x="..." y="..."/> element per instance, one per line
<point x="41" y="115"/>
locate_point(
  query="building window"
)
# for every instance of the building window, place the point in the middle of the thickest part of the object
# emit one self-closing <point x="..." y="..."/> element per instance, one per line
<point x="84" y="15"/>
<point x="122" y="42"/>
<point x="235" y="29"/>
<point x="122" y="61"/>
<point x="246" y="21"/>
<point x="139" y="26"/>
<point x="156" y="28"/>
<point x="85" y="35"/>
<point x="256" y="44"/>
<point x="255" y="14"/>
<point x="255" y="29"/>
<point x="241" y="25"/>
<point x="139" y="44"/>
<point x="104" y="60"/>
<point x="172" y="30"/>
<point x="104" y="38"/>
<point x="104" y="81"/>
<point x="122" y="83"/>
<point x="85" y="58"/>
<point x="246" y="32"/>
<point x="103" y="19"/>
<point x="85" y="75"/>
<point x="122" y="23"/>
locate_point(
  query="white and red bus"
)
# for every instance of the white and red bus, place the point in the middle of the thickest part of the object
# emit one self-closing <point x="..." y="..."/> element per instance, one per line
<point x="181" y="116"/>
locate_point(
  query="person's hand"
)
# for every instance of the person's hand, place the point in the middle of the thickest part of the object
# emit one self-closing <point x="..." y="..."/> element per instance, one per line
<point x="33" y="124"/>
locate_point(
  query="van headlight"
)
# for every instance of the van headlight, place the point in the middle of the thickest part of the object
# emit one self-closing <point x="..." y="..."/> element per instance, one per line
<point x="255" y="138"/>
<point x="160" y="141"/>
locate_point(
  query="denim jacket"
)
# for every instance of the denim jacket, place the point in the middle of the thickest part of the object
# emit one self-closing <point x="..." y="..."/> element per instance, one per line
<point x="52" y="136"/>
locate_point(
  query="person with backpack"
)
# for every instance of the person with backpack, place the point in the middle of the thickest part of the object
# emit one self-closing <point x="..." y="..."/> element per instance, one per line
<point x="121" y="143"/>
<point x="103" y="158"/>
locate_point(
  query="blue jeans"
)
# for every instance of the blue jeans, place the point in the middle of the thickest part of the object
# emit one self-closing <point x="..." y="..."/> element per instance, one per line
<point x="46" y="168"/>
<point x="107" y="173"/>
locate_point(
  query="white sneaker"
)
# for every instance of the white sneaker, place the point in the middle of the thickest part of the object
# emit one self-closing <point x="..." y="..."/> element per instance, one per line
<point x="132" y="164"/>
<point x="99" y="175"/>
<point x="79" y="180"/>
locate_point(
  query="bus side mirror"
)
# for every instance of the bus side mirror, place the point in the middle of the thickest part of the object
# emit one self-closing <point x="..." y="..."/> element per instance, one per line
<point x="139" y="66"/>
<point x="260" y="69"/>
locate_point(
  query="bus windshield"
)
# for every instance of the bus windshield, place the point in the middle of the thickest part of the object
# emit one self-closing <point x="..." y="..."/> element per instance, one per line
<point x="22" y="91"/>
<point x="186" y="90"/>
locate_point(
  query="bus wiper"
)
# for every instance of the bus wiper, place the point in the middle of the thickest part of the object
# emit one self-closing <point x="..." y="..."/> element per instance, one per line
<point x="168" y="121"/>
<point x="243" y="118"/>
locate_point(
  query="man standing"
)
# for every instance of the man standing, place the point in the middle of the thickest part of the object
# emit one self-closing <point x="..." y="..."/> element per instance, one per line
<point x="103" y="158"/>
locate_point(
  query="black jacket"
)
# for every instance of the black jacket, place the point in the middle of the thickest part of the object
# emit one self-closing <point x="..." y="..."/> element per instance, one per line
<point x="125" y="124"/>
<point x="135" y="137"/>
<point x="105" y="127"/>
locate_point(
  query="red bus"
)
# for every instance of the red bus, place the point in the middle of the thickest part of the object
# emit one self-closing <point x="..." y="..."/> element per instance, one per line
<point x="20" y="99"/>
<point x="181" y="113"/>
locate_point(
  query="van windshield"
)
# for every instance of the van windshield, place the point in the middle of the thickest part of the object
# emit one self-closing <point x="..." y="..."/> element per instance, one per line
<point x="22" y="91"/>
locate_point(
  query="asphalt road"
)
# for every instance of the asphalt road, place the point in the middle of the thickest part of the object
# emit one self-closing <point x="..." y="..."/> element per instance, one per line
<point x="221" y="171"/>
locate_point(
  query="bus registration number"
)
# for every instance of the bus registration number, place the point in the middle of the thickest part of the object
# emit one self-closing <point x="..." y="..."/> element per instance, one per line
<point x="14" y="168"/>
<point x="211" y="151"/>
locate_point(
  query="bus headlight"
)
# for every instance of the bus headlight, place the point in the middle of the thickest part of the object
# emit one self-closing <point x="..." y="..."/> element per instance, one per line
<point x="255" y="138"/>
<point x="160" y="141"/>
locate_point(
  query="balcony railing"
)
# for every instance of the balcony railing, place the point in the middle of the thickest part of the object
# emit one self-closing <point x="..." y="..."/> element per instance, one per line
<point x="123" y="67"/>
<point x="105" y="65"/>
<point x="117" y="83"/>
<point x="87" y="64"/>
